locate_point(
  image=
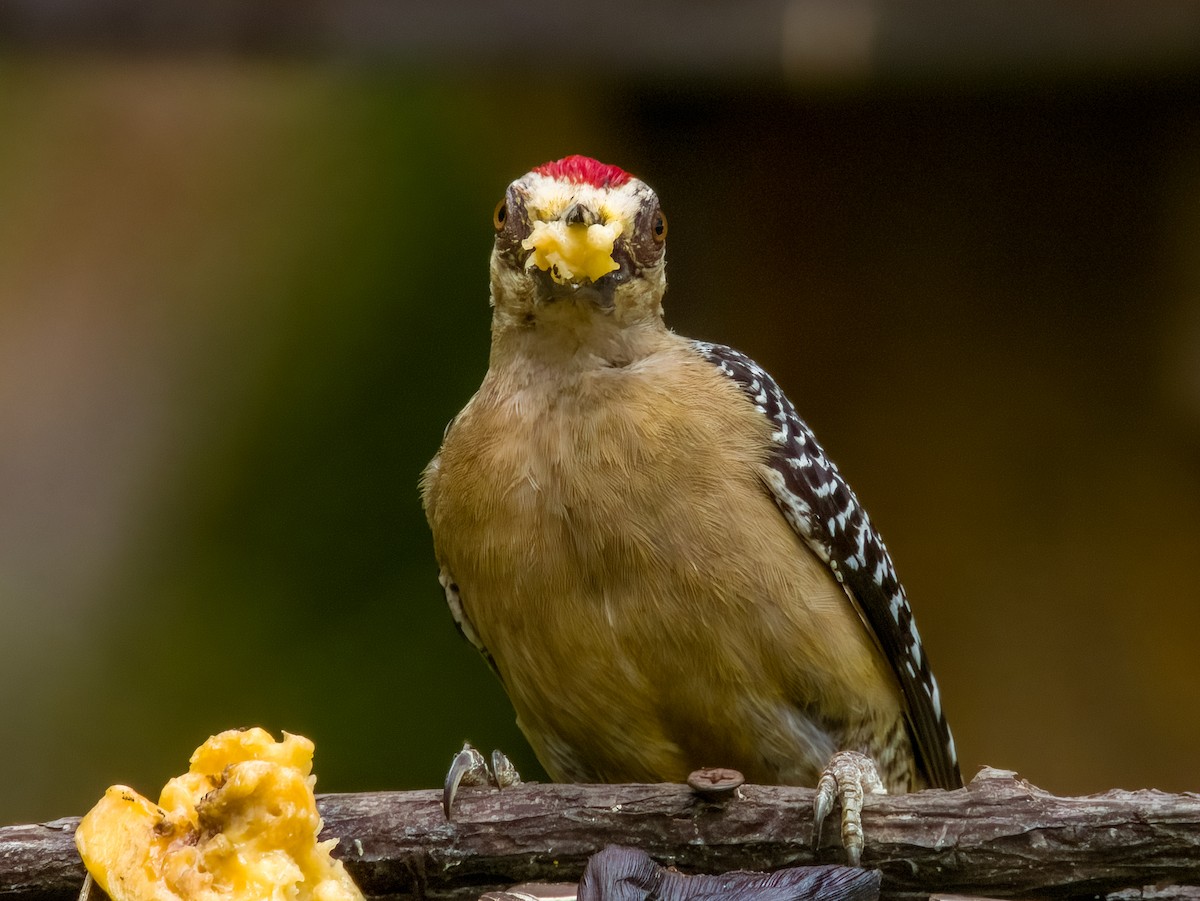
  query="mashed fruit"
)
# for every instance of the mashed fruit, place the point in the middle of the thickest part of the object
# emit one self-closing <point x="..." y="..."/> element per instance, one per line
<point x="240" y="825"/>
<point x="573" y="253"/>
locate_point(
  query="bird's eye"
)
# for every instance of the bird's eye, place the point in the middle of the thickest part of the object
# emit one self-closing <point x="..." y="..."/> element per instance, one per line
<point x="660" y="226"/>
<point x="501" y="214"/>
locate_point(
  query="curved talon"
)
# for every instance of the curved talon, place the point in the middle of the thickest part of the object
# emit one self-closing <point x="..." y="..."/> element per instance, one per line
<point x="848" y="778"/>
<point x="468" y="768"/>
<point x="823" y="803"/>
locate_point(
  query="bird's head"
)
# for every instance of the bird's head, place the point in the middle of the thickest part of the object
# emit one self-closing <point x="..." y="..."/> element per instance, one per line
<point x="578" y="241"/>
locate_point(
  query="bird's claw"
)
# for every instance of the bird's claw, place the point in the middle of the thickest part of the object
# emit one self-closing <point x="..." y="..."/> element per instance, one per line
<point x="848" y="777"/>
<point x="503" y="771"/>
<point x="470" y="768"/>
<point x="467" y="768"/>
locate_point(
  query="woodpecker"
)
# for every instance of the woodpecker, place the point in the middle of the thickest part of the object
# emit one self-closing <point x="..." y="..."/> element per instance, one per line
<point x="648" y="544"/>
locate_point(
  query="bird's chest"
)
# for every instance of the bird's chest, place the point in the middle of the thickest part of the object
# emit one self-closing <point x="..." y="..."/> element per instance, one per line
<point x="591" y="492"/>
<point x="558" y="485"/>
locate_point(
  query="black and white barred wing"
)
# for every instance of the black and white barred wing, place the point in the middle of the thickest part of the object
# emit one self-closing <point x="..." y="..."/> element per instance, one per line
<point x="818" y="503"/>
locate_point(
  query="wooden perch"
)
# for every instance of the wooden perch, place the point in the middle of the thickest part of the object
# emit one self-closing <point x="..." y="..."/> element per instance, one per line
<point x="998" y="837"/>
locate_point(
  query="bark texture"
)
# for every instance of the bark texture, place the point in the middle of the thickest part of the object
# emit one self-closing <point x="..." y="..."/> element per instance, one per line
<point x="999" y="837"/>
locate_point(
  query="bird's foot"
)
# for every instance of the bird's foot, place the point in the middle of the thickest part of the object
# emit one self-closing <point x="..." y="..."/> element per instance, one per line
<point x="848" y="778"/>
<point x="470" y="768"/>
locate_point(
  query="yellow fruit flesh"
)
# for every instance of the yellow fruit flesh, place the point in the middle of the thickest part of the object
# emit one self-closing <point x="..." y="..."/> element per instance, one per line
<point x="241" y="824"/>
<point x="572" y="252"/>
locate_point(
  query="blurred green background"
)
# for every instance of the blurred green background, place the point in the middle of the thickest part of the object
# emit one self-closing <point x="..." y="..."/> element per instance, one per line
<point x="243" y="286"/>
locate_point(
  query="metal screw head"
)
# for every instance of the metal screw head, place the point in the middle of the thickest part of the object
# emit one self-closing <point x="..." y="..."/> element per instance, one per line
<point x="715" y="782"/>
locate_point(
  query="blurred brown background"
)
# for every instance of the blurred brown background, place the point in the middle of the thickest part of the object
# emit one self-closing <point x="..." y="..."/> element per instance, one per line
<point x="243" y="286"/>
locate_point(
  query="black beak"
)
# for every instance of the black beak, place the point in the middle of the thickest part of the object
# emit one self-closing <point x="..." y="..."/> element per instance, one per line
<point x="598" y="293"/>
<point x="579" y="214"/>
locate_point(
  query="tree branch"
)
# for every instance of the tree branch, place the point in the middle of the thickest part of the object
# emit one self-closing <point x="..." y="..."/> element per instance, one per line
<point x="999" y="837"/>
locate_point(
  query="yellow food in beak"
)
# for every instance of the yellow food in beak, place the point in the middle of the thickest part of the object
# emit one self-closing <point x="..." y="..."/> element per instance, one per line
<point x="242" y="823"/>
<point x="571" y="253"/>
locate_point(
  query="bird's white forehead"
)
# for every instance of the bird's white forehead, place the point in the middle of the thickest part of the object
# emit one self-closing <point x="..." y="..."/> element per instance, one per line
<point x="547" y="198"/>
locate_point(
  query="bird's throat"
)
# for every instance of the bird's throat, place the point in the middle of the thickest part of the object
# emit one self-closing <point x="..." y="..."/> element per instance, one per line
<point x="566" y="338"/>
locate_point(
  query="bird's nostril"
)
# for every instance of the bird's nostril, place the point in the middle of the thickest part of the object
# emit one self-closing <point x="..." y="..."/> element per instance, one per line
<point x="578" y="214"/>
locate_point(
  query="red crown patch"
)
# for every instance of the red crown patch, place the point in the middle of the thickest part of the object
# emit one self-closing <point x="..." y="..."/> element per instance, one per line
<point x="585" y="170"/>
